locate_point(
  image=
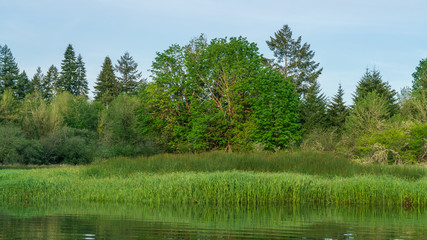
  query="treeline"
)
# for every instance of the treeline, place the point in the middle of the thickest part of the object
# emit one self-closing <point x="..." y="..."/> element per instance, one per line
<point x="217" y="95"/>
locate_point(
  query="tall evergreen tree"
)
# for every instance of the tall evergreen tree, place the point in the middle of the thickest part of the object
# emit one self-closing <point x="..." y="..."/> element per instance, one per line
<point x="68" y="76"/>
<point x="48" y="83"/>
<point x="372" y="82"/>
<point x="337" y="111"/>
<point x="420" y="76"/>
<point x="36" y="81"/>
<point x="129" y="75"/>
<point x="313" y="108"/>
<point x="9" y="71"/>
<point x="23" y="86"/>
<point x="294" y="59"/>
<point x="107" y="87"/>
<point x="81" y="84"/>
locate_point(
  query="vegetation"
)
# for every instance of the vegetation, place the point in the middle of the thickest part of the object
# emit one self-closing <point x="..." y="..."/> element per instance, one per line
<point x="217" y="95"/>
<point x="197" y="179"/>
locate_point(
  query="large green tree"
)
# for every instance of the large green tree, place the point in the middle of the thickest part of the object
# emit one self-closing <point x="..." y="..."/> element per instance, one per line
<point x="294" y="59"/>
<point x="9" y="71"/>
<point x="73" y="74"/>
<point x="372" y="82"/>
<point x="107" y="87"/>
<point x="129" y="76"/>
<point x="312" y="109"/>
<point x="36" y="81"/>
<point x="219" y="95"/>
<point x="420" y="76"/>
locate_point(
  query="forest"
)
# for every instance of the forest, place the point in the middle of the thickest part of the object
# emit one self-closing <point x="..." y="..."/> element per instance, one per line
<point x="217" y="95"/>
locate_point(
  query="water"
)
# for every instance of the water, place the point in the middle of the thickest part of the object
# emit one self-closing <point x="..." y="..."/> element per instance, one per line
<point x="118" y="221"/>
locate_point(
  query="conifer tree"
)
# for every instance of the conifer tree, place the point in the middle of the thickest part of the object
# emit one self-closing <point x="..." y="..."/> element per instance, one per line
<point x="48" y="83"/>
<point x="294" y="59"/>
<point x="337" y="111"/>
<point x="36" y="81"/>
<point x="9" y="71"/>
<point x="68" y="76"/>
<point x="23" y="86"/>
<point x="107" y="87"/>
<point x="420" y="76"/>
<point x="129" y="75"/>
<point x="313" y="108"/>
<point x="372" y="82"/>
<point x="81" y="84"/>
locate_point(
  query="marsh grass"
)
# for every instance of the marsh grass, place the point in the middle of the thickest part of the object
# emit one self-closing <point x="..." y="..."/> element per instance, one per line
<point x="220" y="179"/>
<point x="310" y="163"/>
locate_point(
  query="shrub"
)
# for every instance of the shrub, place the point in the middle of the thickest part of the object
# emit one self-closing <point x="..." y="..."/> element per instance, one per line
<point x="15" y="148"/>
<point x="70" y="146"/>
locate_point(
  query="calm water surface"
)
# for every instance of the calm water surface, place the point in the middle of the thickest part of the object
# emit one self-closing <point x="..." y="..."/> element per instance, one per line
<point x="100" y="221"/>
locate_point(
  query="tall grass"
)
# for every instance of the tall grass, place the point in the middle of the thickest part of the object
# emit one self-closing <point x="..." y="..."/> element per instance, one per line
<point x="220" y="179"/>
<point x="311" y="163"/>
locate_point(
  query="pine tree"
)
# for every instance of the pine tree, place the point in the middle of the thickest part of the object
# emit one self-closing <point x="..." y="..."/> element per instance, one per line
<point x="81" y="84"/>
<point x="294" y="59"/>
<point x="372" y="82"/>
<point x="420" y="76"/>
<point x="107" y="87"/>
<point x="129" y="75"/>
<point x="313" y="109"/>
<point x="68" y="75"/>
<point x="36" y="81"/>
<point x="337" y="111"/>
<point x="9" y="71"/>
<point x="23" y="86"/>
<point x="48" y="83"/>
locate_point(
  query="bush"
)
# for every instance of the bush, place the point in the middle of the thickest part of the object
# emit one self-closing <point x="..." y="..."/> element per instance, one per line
<point x="15" y="148"/>
<point x="70" y="146"/>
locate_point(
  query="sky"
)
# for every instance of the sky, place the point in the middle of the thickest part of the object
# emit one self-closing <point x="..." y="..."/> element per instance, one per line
<point x="347" y="36"/>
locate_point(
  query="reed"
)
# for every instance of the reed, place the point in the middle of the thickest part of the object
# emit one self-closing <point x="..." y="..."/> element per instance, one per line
<point x="215" y="188"/>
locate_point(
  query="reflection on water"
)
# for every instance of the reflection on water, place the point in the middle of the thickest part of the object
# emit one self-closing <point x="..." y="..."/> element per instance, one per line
<point x="100" y="221"/>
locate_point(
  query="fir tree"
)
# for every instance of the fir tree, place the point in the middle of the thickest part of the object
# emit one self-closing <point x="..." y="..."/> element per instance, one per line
<point x="9" y="71"/>
<point x="81" y="84"/>
<point x="36" y="81"/>
<point x="67" y="78"/>
<point x="107" y="87"/>
<point x="129" y="75"/>
<point x="313" y="109"/>
<point x="337" y="111"/>
<point x="294" y="59"/>
<point x="48" y="83"/>
<point x="420" y="76"/>
<point x="23" y="86"/>
<point x="372" y="82"/>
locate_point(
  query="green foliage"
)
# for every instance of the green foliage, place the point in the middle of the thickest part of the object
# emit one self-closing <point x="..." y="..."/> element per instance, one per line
<point x="337" y="112"/>
<point x="130" y="77"/>
<point x="49" y="83"/>
<point x="420" y="76"/>
<point x="107" y="87"/>
<point x="23" y="86"/>
<point x="415" y="106"/>
<point x="294" y="59"/>
<point x="69" y="145"/>
<point x="16" y="149"/>
<point x="402" y="144"/>
<point x="369" y="115"/>
<point x="214" y="96"/>
<point x="9" y="71"/>
<point x="73" y="74"/>
<point x="372" y="81"/>
<point x="8" y="107"/>
<point x="312" y="109"/>
<point x="36" y="81"/>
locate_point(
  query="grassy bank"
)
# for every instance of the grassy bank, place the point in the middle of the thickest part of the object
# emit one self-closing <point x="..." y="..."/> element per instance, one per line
<point x="222" y="179"/>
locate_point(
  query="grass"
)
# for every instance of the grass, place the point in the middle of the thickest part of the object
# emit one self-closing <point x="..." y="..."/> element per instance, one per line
<point x="221" y="179"/>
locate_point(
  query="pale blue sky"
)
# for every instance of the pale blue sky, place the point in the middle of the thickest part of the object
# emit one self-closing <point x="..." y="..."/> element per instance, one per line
<point x="347" y="36"/>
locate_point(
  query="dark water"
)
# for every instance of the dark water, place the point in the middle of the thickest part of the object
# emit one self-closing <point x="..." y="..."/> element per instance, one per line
<point x="100" y="221"/>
